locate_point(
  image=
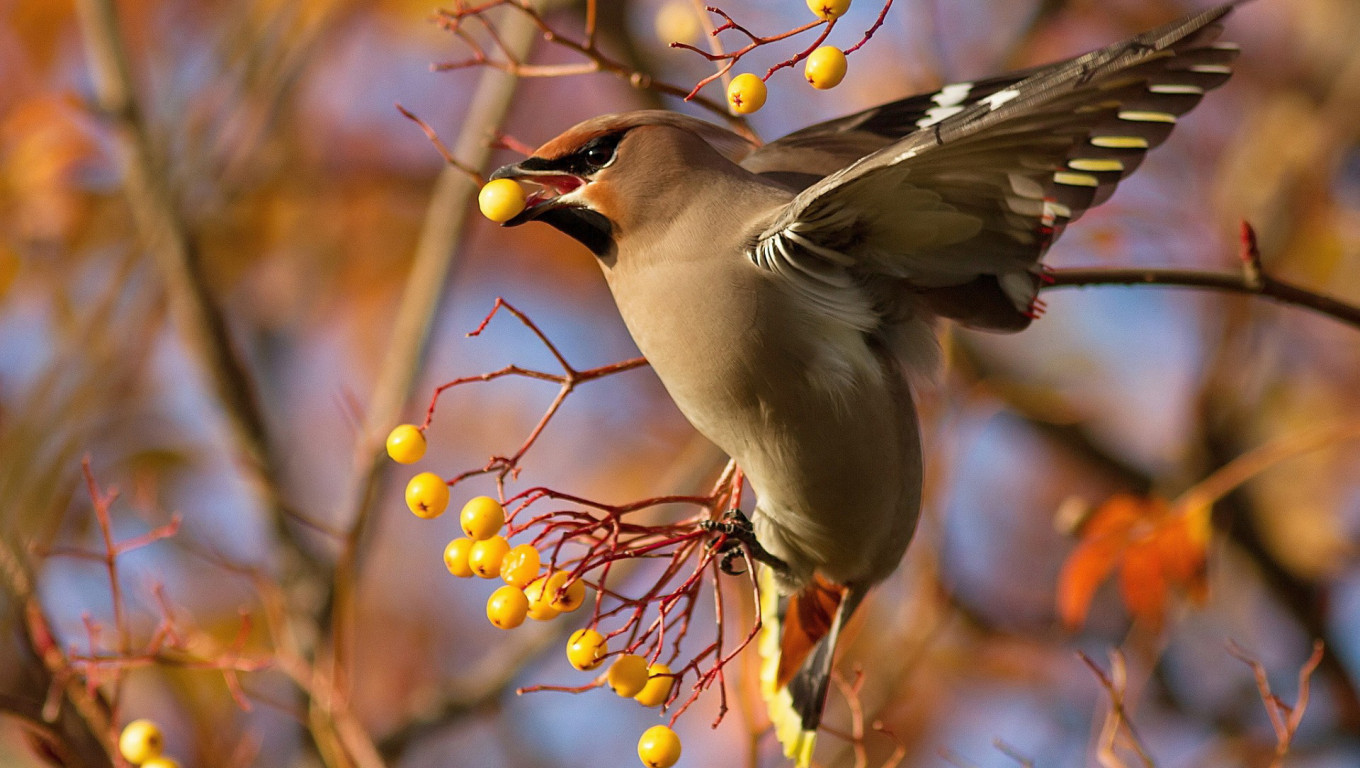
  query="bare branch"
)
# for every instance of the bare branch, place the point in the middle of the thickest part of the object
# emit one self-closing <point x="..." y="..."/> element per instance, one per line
<point x="1284" y="719"/>
<point x="1252" y="281"/>
<point x="171" y="245"/>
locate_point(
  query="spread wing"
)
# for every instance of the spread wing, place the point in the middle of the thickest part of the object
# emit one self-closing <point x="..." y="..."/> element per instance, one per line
<point x="962" y="206"/>
<point x="804" y="157"/>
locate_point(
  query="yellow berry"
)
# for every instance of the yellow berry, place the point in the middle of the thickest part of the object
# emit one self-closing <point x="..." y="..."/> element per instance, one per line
<point x="586" y="649"/>
<point x="520" y="566"/>
<point x="628" y="675"/>
<point x="659" y="747"/>
<point x="568" y="599"/>
<point x="501" y="200"/>
<point x="540" y="602"/>
<point x="427" y="495"/>
<point x="507" y="607"/>
<point x="485" y="557"/>
<point x="456" y="557"/>
<point x="482" y="518"/>
<point x="160" y="762"/>
<point x="140" y="741"/>
<point x="658" y="686"/>
<point x="677" y="22"/>
<point x="825" y="67"/>
<point x="829" y="10"/>
<point x="406" y="444"/>
<point x="746" y="94"/>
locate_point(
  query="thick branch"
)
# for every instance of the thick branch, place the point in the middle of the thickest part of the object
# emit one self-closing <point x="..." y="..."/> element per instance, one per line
<point x="417" y="310"/>
<point x="167" y="238"/>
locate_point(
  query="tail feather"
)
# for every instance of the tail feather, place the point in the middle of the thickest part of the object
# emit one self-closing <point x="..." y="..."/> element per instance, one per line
<point x="797" y="647"/>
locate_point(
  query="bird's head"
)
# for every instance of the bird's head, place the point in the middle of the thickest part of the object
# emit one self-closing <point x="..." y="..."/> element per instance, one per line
<point x="607" y="175"/>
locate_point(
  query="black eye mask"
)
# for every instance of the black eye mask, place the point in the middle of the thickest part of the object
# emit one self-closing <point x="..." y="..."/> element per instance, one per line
<point x="593" y="156"/>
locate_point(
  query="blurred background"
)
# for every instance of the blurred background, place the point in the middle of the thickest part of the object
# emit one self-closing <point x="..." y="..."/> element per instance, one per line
<point x="322" y="227"/>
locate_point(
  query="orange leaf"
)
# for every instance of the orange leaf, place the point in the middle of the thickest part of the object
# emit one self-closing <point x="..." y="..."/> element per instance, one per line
<point x="1143" y="583"/>
<point x="1117" y="527"/>
<point x="1088" y="565"/>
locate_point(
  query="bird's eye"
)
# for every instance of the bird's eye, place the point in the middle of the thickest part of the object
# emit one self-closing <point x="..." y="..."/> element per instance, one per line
<point x="600" y="152"/>
<point x="599" y="155"/>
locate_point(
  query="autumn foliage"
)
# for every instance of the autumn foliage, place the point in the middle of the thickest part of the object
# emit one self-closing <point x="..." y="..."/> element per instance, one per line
<point x="1154" y="550"/>
<point x="229" y="267"/>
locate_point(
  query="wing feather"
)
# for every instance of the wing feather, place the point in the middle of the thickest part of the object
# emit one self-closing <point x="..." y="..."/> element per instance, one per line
<point x="977" y="180"/>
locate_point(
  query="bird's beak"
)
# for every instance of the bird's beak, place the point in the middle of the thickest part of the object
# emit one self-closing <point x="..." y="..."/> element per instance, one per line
<point x="554" y="203"/>
<point x="552" y="185"/>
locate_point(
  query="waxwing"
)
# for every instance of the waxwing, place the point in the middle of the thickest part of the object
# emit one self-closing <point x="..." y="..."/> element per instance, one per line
<point x="785" y="294"/>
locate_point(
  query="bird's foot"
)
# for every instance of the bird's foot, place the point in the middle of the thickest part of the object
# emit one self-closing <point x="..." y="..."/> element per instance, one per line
<point x="734" y="531"/>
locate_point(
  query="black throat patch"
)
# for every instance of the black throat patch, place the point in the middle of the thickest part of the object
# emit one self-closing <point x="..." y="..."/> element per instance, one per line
<point x="587" y="227"/>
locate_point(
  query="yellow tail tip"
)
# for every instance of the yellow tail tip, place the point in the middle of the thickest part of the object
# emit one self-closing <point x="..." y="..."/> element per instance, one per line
<point x="788" y="724"/>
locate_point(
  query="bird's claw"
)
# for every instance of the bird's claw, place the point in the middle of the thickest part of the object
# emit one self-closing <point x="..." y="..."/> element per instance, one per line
<point x="734" y="531"/>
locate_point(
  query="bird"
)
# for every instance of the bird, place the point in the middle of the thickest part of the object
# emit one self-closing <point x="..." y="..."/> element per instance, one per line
<point x="787" y="295"/>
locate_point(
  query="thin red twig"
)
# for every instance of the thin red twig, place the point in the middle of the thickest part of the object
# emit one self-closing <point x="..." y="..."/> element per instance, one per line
<point x="587" y="539"/>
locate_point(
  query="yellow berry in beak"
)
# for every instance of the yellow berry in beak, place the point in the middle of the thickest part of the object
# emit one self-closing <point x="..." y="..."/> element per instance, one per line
<point x="501" y="200"/>
<point x="825" y="67"/>
<point x="746" y="94"/>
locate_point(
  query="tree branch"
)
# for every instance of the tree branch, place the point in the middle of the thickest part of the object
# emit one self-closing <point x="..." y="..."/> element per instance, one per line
<point x="1253" y="280"/>
<point x="200" y="321"/>
<point x="1279" y="290"/>
<point x="417" y="310"/>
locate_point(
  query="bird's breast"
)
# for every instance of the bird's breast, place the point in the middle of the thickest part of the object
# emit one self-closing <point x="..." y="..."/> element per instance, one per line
<point x="824" y="429"/>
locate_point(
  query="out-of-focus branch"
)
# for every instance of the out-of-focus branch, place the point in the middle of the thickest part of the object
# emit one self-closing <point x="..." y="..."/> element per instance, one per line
<point x="167" y="238"/>
<point x="1284" y="718"/>
<point x="595" y="60"/>
<point x="464" y="698"/>
<point x="63" y="681"/>
<point x="419" y="305"/>
<point x="1252" y="281"/>
<point x="1117" y="720"/>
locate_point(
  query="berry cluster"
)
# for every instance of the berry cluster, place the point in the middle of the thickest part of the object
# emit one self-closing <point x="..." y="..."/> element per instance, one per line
<point x="824" y="66"/>
<point x="141" y="743"/>
<point x="545" y="578"/>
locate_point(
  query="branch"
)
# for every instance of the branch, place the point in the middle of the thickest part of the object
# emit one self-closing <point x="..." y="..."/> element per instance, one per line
<point x="497" y="677"/>
<point x="417" y="310"/>
<point x="1284" y="719"/>
<point x="568" y="380"/>
<point x="1251" y="281"/>
<point x="1246" y="466"/>
<point x="595" y="59"/>
<point x="63" y="682"/>
<point x="167" y="238"/>
<point x="1117" y="719"/>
